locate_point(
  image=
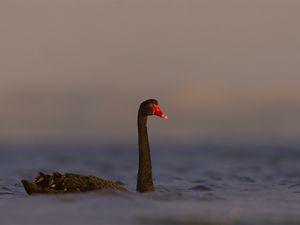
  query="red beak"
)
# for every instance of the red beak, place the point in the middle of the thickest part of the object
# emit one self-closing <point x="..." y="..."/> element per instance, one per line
<point x="158" y="112"/>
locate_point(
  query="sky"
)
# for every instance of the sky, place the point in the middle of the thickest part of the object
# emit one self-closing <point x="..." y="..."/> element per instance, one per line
<point x="76" y="70"/>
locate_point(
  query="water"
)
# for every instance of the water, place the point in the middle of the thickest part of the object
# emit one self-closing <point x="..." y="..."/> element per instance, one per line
<point x="204" y="184"/>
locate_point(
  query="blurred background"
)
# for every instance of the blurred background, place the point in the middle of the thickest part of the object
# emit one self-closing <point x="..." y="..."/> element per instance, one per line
<point x="75" y="71"/>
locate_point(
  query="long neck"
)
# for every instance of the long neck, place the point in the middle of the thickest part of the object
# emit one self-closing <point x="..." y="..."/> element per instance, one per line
<point x="144" y="178"/>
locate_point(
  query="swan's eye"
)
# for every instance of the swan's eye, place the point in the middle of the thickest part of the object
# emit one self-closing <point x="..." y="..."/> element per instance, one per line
<point x="157" y="111"/>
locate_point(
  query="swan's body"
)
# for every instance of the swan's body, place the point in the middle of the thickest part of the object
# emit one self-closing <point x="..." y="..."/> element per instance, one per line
<point x="68" y="182"/>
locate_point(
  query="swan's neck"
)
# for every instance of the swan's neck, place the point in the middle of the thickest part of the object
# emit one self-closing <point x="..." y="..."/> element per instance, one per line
<point x="144" y="179"/>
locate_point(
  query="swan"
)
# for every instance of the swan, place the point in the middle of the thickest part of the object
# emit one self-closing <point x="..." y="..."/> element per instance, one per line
<point x="63" y="183"/>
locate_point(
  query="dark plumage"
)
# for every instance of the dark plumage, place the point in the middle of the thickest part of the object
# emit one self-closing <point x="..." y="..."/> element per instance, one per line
<point x="68" y="182"/>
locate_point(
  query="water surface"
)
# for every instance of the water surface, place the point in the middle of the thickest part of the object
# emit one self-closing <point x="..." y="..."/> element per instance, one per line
<point x="202" y="184"/>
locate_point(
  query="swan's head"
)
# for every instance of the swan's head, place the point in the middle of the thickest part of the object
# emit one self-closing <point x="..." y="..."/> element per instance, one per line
<point x="150" y="108"/>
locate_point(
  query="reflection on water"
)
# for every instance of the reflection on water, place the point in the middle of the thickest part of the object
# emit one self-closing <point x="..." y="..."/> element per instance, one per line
<point x="194" y="185"/>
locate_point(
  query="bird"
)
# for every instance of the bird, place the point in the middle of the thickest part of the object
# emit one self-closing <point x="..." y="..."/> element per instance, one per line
<point x="57" y="183"/>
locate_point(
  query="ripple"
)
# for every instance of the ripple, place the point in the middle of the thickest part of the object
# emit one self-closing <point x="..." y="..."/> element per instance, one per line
<point x="7" y="193"/>
<point x="200" y="187"/>
<point x="295" y="185"/>
<point x="244" y="179"/>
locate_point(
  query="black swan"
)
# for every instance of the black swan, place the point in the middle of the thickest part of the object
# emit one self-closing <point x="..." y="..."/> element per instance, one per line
<point x="68" y="182"/>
